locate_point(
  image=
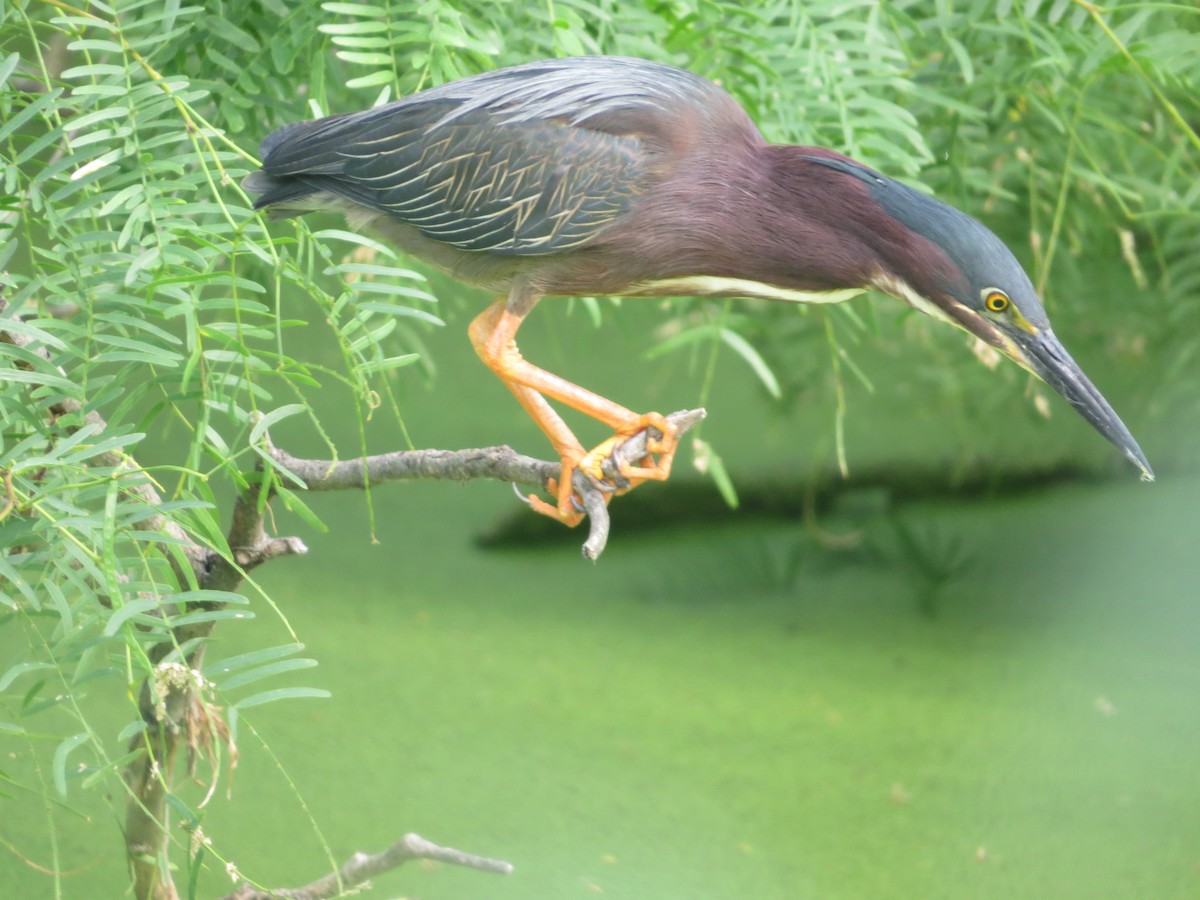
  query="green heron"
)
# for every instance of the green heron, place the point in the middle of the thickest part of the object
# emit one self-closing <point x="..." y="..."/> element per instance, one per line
<point x="621" y="177"/>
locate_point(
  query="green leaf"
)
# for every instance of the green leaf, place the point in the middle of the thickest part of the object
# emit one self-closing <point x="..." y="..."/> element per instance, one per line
<point x="366" y="59"/>
<point x="365" y="10"/>
<point x="375" y="269"/>
<point x="95" y="44"/>
<point x="268" y="419"/>
<point x="105" y="113"/>
<point x="393" y="309"/>
<point x="386" y="287"/>
<point x="295" y="505"/>
<point x="292" y="693"/>
<point x="254" y="658"/>
<point x="222" y="27"/>
<point x="137" y="726"/>
<point x="40" y="378"/>
<point x="375" y="79"/>
<point x="94" y="70"/>
<point x="185" y="813"/>
<point x="7" y="66"/>
<point x="107" y="445"/>
<point x="127" y="611"/>
<point x="60" y="760"/>
<point x="39" y="104"/>
<point x="391" y="362"/>
<point x="267" y="671"/>
<point x="351" y="237"/>
<point x="742" y="347"/>
<point x="365" y="27"/>
<point x="210" y="615"/>
<point x="710" y="462"/>
<point x="16" y="671"/>
<point x="207" y="596"/>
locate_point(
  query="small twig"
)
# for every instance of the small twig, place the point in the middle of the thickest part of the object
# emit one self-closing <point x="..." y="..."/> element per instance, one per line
<point x="595" y="504"/>
<point x="250" y="543"/>
<point x="362" y="866"/>
<point x="629" y="453"/>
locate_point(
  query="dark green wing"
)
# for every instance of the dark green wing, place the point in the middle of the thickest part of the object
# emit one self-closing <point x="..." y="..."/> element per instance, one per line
<point x="528" y="160"/>
<point x="536" y="187"/>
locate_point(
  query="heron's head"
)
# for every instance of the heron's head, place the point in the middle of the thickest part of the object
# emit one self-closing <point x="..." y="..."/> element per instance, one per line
<point x="950" y="266"/>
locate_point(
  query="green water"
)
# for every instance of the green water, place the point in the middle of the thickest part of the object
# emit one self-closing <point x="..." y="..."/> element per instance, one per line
<point x="673" y="724"/>
<point x="716" y="710"/>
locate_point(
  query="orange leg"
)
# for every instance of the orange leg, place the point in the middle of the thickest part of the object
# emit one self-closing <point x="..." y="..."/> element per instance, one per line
<point x="493" y="334"/>
<point x="566" y="445"/>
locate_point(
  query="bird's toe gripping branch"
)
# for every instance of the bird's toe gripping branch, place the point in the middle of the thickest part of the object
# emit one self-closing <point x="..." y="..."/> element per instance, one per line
<point x="615" y="466"/>
<point x="603" y="463"/>
<point x="641" y="450"/>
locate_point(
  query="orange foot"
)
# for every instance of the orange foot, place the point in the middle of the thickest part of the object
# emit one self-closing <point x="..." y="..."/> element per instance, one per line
<point x="569" y="508"/>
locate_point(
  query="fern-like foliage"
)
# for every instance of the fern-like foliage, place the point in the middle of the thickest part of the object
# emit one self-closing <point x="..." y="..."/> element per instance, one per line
<point x="141" y="294"/>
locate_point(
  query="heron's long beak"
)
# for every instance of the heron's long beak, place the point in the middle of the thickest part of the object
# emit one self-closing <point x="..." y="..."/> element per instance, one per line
<point x="1046" y="357"/>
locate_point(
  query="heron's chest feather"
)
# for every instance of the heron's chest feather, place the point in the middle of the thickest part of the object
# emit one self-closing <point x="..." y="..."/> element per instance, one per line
<point x="901" y="289"/>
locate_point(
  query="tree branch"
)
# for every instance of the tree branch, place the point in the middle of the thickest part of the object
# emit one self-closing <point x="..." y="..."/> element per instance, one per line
<point x="362" y="866"/>
<point x="500" y="463"/>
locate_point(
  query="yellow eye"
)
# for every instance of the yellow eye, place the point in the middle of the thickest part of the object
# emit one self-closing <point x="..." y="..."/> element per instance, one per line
<point x="996" y="301"/>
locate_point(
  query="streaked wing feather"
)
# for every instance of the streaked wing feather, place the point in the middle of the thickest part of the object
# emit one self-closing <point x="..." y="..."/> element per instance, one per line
<point x="528" y="188"/>
<point x="524" y="161"/>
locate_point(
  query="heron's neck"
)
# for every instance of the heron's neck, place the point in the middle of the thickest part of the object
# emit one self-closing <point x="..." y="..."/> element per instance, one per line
<point x="815" y="225"/>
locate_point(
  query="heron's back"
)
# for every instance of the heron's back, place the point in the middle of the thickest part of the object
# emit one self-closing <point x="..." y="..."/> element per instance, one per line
<point x="529" y="160"/>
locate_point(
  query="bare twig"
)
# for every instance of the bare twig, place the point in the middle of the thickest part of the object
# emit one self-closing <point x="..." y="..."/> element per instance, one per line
<point x="362" y="866"/>
<point x="501" y="463"/>
<point x="250" y="543"/>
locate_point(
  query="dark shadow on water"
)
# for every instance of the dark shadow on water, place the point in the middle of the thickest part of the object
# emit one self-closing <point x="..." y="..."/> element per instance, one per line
<point x="697" y="503"/>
